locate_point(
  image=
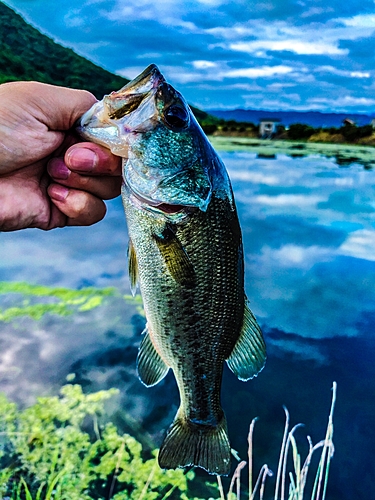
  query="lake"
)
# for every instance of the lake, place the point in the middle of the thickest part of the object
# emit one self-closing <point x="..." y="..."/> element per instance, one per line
<point x="309" y="236"/>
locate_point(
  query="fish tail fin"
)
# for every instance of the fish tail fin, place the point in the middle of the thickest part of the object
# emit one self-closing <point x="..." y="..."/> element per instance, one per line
<point x="200" y="445"/>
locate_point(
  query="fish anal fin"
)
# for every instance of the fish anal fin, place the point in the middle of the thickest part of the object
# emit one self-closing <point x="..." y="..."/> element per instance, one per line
<point x="249" y="354"/>
<point x="133" y="267"/>
<point x="175" y="257"/>
<point x="151" y="368"/>
<point x="187" y="444"/>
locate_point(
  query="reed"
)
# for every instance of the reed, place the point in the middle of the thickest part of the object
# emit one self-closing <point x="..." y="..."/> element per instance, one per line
<point x="289" y="484"/>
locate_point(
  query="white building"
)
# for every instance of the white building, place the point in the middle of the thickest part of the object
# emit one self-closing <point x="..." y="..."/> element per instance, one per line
<point x="268" y="127"/>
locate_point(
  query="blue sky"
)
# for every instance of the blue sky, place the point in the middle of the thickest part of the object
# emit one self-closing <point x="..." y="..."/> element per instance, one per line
<point x="275" y="55"/>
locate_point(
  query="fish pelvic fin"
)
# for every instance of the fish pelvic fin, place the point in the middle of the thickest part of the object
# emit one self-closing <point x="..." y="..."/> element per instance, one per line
<point x="249" y="354"/>
<point x="189" y="444"/>
<point x="151" y="368"/>
<point x="133" y="267"/>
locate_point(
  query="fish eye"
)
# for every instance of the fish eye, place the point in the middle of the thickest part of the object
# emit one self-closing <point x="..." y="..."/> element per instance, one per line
<point x="176" y="117"/>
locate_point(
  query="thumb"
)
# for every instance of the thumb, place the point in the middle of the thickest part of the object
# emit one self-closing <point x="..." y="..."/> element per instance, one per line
<point x="56" y="107"/>
<point x="67" y="104"/>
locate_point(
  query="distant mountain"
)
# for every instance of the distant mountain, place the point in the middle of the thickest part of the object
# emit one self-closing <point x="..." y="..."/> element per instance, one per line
<point x="27" y="54"/>
<point x="313" y="118"/>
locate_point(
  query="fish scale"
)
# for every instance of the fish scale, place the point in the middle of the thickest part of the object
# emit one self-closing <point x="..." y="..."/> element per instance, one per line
<point x="186" y="254"/>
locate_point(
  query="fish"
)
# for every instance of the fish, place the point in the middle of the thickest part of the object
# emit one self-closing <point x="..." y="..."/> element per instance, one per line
<point x="186" y="255"/>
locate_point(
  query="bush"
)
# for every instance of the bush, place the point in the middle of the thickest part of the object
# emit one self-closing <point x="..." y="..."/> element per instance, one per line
<point x="352" y="132"/>
<point x="300" y="131"/>
<point x="209" y="128"/>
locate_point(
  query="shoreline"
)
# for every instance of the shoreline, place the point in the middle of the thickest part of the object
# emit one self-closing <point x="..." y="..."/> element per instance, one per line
<point x="344" y="154"/>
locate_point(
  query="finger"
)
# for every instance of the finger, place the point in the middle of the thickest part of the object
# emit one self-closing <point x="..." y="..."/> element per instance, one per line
<point x="92" y="159"/>
<point x="80" y="208"/>
<point x="65" y="105"/>
<point x="105" y="187"/>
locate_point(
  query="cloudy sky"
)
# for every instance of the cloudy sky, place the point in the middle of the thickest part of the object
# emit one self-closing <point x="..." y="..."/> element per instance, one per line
<point x="276" y="55"/>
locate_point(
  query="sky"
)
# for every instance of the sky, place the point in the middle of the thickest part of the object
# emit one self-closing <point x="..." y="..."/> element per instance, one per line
<point x="271" y="55"/>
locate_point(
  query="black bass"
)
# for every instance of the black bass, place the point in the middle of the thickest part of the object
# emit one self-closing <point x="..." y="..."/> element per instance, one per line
<point x="186" y="253"/>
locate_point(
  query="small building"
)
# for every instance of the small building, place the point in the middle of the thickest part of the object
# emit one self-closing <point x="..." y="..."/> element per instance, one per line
<point x="268" y="127"/>
<point x="348" y="121"/>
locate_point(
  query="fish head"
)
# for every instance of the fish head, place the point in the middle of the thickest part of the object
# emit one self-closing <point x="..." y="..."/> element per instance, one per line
<point x="167" y="158"/>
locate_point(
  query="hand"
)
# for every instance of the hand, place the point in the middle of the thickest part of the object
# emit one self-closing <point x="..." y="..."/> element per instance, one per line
<point x="48" y="178"/>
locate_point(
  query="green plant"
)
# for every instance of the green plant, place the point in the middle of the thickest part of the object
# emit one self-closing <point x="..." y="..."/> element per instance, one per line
<point x="300" y="131"/>
<point x="38" y="300"/>
<point x="56" y="449"/>
<point x="290" y="485"/>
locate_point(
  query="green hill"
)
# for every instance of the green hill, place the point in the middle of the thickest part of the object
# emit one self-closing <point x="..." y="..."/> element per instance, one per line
<point x="27" y="54"/>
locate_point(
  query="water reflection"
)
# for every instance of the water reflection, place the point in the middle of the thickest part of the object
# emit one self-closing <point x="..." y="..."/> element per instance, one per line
<point x="309" y="237"/>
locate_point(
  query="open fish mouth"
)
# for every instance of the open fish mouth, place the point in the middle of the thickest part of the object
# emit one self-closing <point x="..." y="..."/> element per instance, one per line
<point x="159" y="206"/>
<point x="171" y="209"/>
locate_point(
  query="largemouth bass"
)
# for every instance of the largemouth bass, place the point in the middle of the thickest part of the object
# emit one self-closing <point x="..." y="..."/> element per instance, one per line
<point x="186" y="254"/>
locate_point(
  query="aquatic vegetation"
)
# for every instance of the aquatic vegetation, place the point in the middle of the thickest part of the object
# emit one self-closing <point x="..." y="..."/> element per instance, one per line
<point x="364" y="155"/>
<point x="37" y="300"/>
<point x="58" y="449"/>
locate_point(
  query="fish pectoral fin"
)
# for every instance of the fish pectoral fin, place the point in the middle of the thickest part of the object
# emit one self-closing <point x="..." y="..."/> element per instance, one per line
<point x="249" y="353"/>
<point x="151" y="368"/>
<point x="133" y="267"/>
<point x="175" y="257"/>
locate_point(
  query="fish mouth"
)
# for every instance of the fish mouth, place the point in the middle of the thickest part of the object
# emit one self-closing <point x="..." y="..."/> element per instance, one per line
<point x="172" y="209"/>
<point x="150" y="78"/>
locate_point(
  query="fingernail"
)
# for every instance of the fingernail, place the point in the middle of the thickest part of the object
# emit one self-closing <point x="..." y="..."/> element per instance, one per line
<point x="57" y="169"/>
<point x="58" y="192"/>
<point x="82" y="159"/>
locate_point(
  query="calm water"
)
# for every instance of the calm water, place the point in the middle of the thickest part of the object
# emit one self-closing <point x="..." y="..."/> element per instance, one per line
<point x="309" y="237"/>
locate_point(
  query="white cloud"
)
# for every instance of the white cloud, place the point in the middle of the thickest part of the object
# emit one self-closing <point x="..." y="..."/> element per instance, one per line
<point x="74" y="19"/>
<point x="200" y="64"/>
<point x="277" y="86"/>
<point x="293" y="45"/>
<point x="286" y="200"/>
<point x="314" y="11"/>
<point x="296" y="256"/>
<point x="359" y="244"/>
<point x="344" y="102"/>
<point x="348" y="74"/>
<point x="254" y="177"/>
<point x="360" y="74"/>
<point x="260" y="72"/>
<point x="211" y="3"/>
<point x="360" y="21"/>
<point x="297" y="348"/>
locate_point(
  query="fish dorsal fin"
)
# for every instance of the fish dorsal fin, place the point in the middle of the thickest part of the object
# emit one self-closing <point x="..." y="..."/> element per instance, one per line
<point x="249" y="353"/>
<point x="133" y="268"/>
<point x="177" y="261"/>
<point x="151" y="368"/>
